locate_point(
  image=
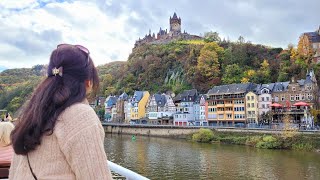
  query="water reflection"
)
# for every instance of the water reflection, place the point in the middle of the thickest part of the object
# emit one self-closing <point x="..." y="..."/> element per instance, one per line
<point x="161" y="158"/>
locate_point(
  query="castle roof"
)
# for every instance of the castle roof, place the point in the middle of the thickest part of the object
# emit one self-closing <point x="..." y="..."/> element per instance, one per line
<point x="174" y="16"/>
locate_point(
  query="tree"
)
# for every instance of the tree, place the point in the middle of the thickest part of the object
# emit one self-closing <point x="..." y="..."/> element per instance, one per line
<point x="248" y="76"/>
<point x="263" y="74"/>
<point x="232" y="74"/>
<point x="208" y="66"/>
<point x="211" y="37"/>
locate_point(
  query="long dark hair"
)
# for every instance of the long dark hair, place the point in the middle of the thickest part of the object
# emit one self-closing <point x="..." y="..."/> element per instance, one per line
<point x="53" y="96"/>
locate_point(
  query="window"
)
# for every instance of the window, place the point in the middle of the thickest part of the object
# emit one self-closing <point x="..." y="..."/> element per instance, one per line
<point x="229" y="116"/>
<point x="291" y="98"/>
<point x="248" y="104"/>
<point x="263" y="106"/>
<point x="252" y="104"/>
<point x="309" y="87"/>
<point x="309" y="96"/>
<point x="267" y="98"/>
<point x="252" y="97"/>
<point x="293" y="88"/>
<point x="221" y="116"/>
<point x="248" y="98"/>
<point x="302" y="97"/>
<point x="297" y="97"/>
<point x="262" y="98"/>
<point x="276" y="99"/>
<point x="282" y="98"/>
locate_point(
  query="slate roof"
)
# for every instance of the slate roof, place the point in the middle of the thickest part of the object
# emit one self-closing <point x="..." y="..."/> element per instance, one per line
<point x="137" y="96"/>
<point x="231" y="89"/>
<point x="280" y="86"/>
<point x="177" y="98"/>
<point x="123" y="96"/>
<point x="160" y="99"/>
<point x="174" y="16"/>
<point x="111" y="100"/>
<point x="199" y="98"/>
<point x="313" y="36"/>
<point x="191" y="92"/>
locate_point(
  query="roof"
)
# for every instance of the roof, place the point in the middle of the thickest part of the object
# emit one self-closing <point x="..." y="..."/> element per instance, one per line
<point x="177" y="98"/>
<point x="199" y="98"/>
<point x="191" y="92"/>
<point x="123" y="96"/>
<point x="313" y="36"/>
<point x="174" y="16"/>
<point x="280" y="86"/>
<point x="263" y="86"/>
<point x="111" y="100"/>
<point x="231" y="89"/>
<point x="160" y="99"/>
<point x="137" y="96"/>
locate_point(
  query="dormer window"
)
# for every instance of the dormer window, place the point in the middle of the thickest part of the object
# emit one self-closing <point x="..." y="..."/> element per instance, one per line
<point x="309" y="87"/>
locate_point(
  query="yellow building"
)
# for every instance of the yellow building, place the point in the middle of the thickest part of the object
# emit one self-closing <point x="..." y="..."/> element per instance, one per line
<point x="252" y="107"/>
<point x="226" y="104"/>
<point x="139" y="102"/>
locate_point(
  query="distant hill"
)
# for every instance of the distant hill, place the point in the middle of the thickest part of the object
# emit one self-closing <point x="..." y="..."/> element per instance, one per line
<point x="176" y="66"/>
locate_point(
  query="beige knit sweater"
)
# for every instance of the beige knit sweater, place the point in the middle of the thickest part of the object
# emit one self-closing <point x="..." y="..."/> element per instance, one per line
<point x="74" y="151"/>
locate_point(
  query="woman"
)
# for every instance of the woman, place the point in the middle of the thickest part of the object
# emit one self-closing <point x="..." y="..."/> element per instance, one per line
<point x="59" y="136"/>
<point x="6" y="151"/>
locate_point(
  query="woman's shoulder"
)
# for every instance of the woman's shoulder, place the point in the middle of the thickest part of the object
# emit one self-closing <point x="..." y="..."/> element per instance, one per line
<point x="78" y="115"/>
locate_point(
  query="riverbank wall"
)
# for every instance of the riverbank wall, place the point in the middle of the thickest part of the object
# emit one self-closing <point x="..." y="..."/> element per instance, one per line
<point x="184" y="131"/>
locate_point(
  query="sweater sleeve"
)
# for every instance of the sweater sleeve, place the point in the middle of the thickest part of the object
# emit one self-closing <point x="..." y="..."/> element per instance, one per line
<point x="83" y="146"/>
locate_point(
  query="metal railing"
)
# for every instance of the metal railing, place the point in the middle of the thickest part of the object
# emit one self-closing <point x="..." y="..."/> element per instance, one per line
<point x="124" y="172"/>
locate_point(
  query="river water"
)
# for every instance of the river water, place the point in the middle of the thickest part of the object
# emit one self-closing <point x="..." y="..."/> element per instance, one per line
<point x="165" y="158"/>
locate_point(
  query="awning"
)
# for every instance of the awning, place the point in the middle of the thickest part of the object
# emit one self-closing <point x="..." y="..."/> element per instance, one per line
<point x="301" y="104"/>
<point x="276" y="105"/>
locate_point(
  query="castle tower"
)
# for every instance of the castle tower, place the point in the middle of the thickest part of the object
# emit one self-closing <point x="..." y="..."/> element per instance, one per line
<point x="175" y="24"/>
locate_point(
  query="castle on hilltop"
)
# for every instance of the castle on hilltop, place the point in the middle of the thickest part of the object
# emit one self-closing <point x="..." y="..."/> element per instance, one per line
<point x="163" y="36"/>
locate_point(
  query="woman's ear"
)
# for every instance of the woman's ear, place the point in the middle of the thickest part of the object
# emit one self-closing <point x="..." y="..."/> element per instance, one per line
<point x="88" y="86"/>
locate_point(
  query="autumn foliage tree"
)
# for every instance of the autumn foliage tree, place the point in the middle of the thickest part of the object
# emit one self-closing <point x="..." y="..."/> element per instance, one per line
<point x="208" y="66"/>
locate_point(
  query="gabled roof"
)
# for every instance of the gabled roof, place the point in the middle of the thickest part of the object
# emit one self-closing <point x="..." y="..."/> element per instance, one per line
<point x="192" y="92"/>
<point x="123" y="96"/>
<point x="177" y="98"/>
<point x="137" y="96"/>
<point x="280" y="86"/>
<point x="110" y="101"/>
<point x="160" y="99"/>
<point x="260" y="87"/>
<point x="231" y="89"/>
<point x="199" y="98"/>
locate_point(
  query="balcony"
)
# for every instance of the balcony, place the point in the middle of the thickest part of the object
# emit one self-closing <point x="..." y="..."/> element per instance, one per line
<point x="220" y="105"/>
<point x="228" y="105"/>
<point x="293" y="111"/>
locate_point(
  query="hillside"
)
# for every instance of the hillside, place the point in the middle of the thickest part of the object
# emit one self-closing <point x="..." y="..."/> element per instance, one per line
<point x="198" y="64"/>
<point x="176" y="66"/>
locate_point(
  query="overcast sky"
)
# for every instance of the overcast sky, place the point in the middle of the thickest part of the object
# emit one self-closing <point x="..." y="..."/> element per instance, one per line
<point x="31" y="29"/>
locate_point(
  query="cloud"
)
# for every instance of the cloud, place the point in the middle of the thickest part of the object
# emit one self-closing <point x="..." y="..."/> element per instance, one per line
<point x="31" y="29"/>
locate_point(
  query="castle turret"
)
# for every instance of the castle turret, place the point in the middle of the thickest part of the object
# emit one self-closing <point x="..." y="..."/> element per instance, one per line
<point x="175" y="24"/>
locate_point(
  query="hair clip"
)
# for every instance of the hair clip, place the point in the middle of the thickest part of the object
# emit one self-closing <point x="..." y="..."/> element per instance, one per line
<point x="56" y="71"/>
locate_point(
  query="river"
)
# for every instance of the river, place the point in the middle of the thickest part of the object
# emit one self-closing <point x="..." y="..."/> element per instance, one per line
<point x="165" y="158"/>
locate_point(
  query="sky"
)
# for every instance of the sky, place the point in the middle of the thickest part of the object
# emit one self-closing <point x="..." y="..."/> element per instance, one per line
<point x="31" y="29"/>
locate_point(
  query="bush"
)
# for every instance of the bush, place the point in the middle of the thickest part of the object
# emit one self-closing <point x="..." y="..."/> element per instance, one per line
<point x="234" y="140"/>
<point x="269" y="142"/>
<point x="305" y="146"/>
<point x="204" y="135"/>
<point x="252" y="141"/>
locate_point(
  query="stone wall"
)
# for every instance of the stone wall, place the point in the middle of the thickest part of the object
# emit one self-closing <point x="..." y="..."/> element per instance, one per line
<point x="180" y="131"/>
<point x="149" y="130"/>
